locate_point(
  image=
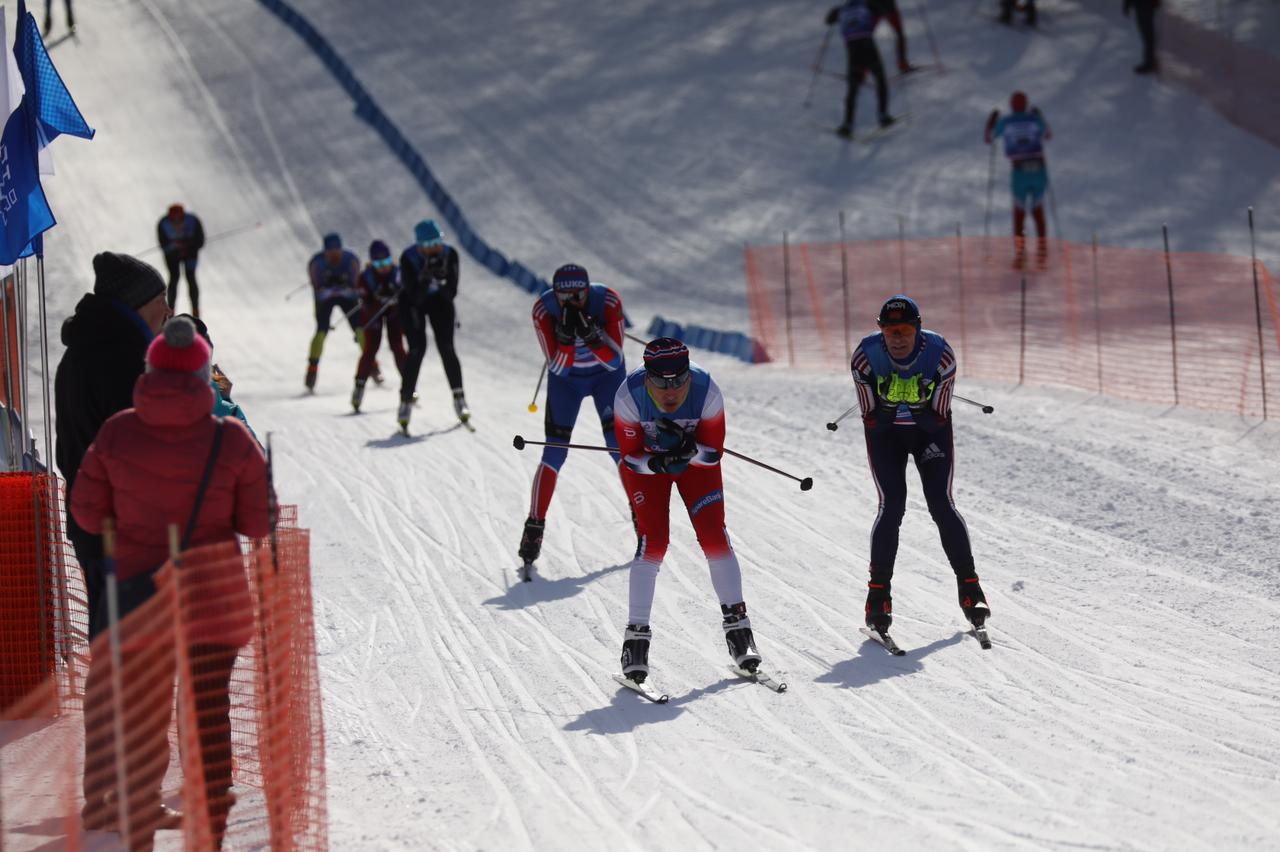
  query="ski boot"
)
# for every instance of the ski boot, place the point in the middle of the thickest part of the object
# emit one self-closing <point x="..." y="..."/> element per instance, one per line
<point x="460" y="406"/>
<point x="531" y="545"/>
<point x="635" y="652"/>
<point x="879" y="606"/>
<point x="313" y="367"/>
<point x="402" y="416"/>
<point x="886" y="120"/>
<point x="357" y="395"/>
<point x="739" y="638"/>
<point x="844" y="131"/>
<point x="972" y="600"/>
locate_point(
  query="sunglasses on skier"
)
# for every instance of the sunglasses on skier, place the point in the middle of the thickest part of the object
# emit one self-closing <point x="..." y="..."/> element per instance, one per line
<point x="669" y="382"/>
<point x="906" y="329"/>
<point x="381" y="263"/>
<point x="572" y="297"/>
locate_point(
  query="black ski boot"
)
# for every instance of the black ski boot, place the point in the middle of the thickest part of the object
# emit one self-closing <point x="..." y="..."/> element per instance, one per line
<point x="531" y="541"/>
<point x="739" y="638"/>
<point x="879" y="607"/>
<point x="635" y="652"/>
<point x="972" y="600"/>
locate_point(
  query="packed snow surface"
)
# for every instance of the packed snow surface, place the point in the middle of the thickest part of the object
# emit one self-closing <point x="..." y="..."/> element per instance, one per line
<point x="1132" y="699"/>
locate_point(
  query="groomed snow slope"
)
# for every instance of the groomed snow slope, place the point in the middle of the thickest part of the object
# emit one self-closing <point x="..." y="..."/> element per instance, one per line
<point x="1129" y="552"/>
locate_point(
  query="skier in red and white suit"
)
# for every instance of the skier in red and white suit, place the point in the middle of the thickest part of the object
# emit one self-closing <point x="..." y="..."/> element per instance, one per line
<point x="669" y="420"/>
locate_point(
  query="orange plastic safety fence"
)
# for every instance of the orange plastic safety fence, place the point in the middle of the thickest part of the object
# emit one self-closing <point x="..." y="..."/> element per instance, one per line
<point x="243" y="754"/>
<point x="42" y="601"/>
<point x="1098" y="319"/>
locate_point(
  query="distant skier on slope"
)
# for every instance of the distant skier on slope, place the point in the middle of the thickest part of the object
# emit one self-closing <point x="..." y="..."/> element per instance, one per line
<point x="904" y="377"/>
<point x="379" y="289"/>
<point x="333" y="272"/>
<point x="580" y="328"/>
<point x="857" y="20"/>
<point x="1025" y="133"/>
<point x="181" y="236"/>
<point x="669" y="418"/>
<point x="429" y="278"/>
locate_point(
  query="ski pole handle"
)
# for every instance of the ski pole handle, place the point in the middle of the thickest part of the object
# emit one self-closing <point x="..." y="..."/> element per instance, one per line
<point x="834" y="424"/>
<point x="986" y="409"/>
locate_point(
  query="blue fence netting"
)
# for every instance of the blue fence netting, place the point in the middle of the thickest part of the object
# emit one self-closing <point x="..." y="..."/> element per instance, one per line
<point x="367" y="109"/>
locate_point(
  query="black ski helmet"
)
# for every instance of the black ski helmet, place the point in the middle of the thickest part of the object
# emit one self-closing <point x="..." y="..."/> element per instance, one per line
<point x="899" y="308"/>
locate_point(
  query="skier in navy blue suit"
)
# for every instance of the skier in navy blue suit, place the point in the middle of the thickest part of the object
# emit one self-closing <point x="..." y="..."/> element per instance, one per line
<point x="904" y="376"/>
<point x="181" y="236"/>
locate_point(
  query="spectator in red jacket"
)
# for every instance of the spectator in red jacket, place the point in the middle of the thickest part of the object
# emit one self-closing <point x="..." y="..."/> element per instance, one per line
<point x="145" y="469"/>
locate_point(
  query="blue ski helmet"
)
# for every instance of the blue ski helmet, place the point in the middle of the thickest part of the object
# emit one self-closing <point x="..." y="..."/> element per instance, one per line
<point x="427" y="233"/>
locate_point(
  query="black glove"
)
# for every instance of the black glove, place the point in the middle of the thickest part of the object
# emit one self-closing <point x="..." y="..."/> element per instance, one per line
<point x="678" y="448"/>
<point x="588" y="329"/>
<point x="567" y="326"/>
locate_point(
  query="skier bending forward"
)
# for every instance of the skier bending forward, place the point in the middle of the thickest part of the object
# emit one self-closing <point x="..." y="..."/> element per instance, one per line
<point x="669" y="419"/>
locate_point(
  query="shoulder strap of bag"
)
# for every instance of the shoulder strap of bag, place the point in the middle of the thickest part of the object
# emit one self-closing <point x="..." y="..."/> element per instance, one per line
<point x="204" y="483"/>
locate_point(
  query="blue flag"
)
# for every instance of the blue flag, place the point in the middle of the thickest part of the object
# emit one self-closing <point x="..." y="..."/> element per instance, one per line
<point x="51" y="104"/>
<point x="46" y="111"/>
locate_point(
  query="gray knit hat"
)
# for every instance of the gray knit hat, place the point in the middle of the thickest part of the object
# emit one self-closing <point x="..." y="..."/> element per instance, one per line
<point x="126" y="278"/>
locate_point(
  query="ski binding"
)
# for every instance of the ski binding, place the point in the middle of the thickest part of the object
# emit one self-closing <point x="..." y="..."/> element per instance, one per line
<point x="884" y="639"/>
<point x="980" y="633"/>
<point x="644" y="689"/>
<point x="760" y="677"/>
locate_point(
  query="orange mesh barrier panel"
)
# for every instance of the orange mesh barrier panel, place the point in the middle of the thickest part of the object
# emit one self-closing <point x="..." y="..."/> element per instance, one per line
<point x="220" y="714"/>
<point x="42" y="610"/>
<point x="1097" y="320"/>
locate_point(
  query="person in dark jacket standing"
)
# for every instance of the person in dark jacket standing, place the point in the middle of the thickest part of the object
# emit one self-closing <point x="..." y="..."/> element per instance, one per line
<point x="1145" y="15"/>
<point x="181" y="236"/>
<point x="857" y="20"/>
<point x="904" y="377"/>
<point x="429" y="284"/>
<point x="106" y="340"/>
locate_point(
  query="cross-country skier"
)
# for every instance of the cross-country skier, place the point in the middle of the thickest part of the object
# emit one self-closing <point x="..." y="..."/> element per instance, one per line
<point x="669" y="418"/>
<point x="379" y="289"/>
<point x="181" y="236"/>
<point x="333" y="273"/>
<point x="858" y="19"/>
<point x="1025" y="133"/>
<point x="904" y="377"/>
<point x="1027" y="7"/>
<point x="429" y="282"/>
<point x="580" y="328"/>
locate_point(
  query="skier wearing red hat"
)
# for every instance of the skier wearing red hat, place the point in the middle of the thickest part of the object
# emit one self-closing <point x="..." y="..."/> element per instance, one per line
<point x="1024" y="132"/>
<point x="669" y="418"/>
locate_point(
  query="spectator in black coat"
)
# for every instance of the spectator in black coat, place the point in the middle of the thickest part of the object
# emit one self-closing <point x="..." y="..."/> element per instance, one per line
<point x="106" y="340"/>
<point x="1145" y="14"/>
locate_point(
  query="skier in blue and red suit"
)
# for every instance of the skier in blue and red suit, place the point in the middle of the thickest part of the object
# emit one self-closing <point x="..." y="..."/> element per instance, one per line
<point x="580" y="328"/>
<point x="379" y="289"/>
<point x="1025" y="133"/>
<point x="904" y="376"/>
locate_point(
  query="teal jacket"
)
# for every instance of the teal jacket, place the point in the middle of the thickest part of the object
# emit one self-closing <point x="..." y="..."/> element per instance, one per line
<point x="226" y="408"/>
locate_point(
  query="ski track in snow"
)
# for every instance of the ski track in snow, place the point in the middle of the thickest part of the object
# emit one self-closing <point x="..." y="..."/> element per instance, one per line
<point x="1132" y="699"/>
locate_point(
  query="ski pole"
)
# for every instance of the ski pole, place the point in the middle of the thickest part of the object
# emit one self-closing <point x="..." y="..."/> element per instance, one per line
<point x="928" y="31"/>
<point x="382" y="310"/>
<point x="991" y="184"/>
<point x="834" y="424"/>
<point x="222" y="235"/>
<point x="805" y="484"/>
<point x="520" y="443"/>
<point x="639" y="340"/>
<point x="817" y="65"/>
<point x="533" y="404"/>
<point x="296" y="290"/>
<point x="986" y="409"/>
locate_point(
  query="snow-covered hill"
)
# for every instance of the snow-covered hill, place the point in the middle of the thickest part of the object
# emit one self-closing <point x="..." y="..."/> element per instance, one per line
<point x="1129" y="552"/>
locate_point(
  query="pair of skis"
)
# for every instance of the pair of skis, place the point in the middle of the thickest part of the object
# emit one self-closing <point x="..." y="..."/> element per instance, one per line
<point x="647" y="690"/>
<point x="887" y="642"/>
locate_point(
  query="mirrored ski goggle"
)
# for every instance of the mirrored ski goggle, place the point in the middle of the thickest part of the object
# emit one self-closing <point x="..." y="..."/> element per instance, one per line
<point x="670" y="382"/>
<point x="381" y="263"/>
<point x="577" y="297"/>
